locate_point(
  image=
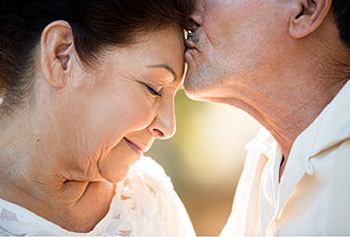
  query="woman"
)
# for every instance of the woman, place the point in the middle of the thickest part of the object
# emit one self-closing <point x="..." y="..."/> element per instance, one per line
<point x="87" y="86"/>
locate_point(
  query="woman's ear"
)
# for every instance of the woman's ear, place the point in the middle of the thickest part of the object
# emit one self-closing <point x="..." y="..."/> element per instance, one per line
<point x="57" y="48"/>
<point x="307" y="16"/>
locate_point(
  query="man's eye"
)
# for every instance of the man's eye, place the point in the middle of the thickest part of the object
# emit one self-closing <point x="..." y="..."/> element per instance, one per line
<point x="152" y="91"/>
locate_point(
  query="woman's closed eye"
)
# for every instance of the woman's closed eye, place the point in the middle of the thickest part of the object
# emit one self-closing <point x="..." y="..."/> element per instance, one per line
<point x="151" y="90"/>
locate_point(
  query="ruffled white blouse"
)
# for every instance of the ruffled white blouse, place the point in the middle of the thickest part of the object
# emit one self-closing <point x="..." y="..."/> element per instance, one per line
<point x="144" y="204"/>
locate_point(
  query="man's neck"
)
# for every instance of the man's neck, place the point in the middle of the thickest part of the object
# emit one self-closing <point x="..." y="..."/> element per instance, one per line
<point x="285" y="108"/>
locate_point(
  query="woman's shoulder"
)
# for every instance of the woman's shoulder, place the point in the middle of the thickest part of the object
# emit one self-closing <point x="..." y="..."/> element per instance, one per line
<point x="147" y="204"/>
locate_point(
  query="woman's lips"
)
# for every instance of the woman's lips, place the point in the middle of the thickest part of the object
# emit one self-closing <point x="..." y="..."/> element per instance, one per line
<point x="135" y="147"/>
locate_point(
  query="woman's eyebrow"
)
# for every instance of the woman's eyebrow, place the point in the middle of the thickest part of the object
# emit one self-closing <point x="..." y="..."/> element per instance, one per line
<point x="168" y="68"/>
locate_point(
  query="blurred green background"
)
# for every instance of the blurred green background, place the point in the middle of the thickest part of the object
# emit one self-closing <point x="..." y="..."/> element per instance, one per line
<point x="205" y="159"/>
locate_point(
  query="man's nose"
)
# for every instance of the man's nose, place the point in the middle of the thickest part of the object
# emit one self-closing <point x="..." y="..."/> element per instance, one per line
<point x="164" y="124"/>
<point x="196" y="18"/>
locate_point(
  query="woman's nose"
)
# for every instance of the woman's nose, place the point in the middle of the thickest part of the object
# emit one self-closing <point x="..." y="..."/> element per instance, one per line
<point x="164" y="124"/>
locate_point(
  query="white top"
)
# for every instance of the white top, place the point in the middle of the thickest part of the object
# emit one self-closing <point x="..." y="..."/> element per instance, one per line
<point x="145" y="203"/>
<point x="314" y="193"/>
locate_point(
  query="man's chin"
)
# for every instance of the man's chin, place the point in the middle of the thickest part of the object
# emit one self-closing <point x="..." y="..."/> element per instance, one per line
<point x="195" y="88"/>
<point x="192" y="92"/>
<point x="191" y="84"/>
<point x="198" y="94"/>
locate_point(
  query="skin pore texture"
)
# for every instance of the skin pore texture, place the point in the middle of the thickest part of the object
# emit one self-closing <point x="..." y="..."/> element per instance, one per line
<point x="83" y="126"/>
<point x="281" y="61"/>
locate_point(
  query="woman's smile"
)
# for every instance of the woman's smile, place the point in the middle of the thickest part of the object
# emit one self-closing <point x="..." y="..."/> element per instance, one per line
<point x="139" y="149"/>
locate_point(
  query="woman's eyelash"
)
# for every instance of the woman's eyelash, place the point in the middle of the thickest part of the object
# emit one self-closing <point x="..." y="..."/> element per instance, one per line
<point x="152" y="91"/>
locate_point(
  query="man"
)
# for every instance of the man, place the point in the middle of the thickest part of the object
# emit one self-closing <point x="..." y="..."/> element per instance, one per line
<point x="287" y="63"/>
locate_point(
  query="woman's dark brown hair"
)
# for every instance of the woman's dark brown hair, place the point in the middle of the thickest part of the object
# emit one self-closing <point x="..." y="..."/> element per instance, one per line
<point x="341" y="9"/>
<point x="95" y="24"/>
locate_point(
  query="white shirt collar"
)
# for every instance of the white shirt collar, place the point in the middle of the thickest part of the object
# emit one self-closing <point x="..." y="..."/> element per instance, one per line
<point x="334" y="122"/>
<point x="329" y="128"/>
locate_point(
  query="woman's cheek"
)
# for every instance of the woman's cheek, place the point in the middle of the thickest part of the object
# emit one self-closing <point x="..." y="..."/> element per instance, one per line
<point x="140" y="112"/>
<point x="141" y="118"/>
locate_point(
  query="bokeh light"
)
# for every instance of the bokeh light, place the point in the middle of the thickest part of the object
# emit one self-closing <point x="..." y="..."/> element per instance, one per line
<point x="205" y="159"/>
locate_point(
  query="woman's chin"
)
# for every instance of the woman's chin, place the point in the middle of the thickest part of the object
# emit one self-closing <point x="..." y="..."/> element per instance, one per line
<point x="115" y="177"/>
<point x="115" y="173"/>
<point x="114" y="168"/>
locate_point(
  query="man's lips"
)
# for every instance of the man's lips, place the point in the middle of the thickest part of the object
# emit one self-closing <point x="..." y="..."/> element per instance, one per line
<point x="190" y="45"/>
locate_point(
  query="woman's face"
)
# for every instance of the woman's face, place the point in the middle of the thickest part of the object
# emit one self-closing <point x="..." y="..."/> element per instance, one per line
<point x="115" y="109"/>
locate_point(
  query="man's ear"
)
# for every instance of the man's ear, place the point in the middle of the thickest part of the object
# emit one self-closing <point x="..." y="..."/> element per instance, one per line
<point x="308" y="16"/>
<point x="56" y="52"/>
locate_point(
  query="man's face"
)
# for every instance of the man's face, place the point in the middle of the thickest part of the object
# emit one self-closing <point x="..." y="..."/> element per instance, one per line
<point x="236" y="41"/>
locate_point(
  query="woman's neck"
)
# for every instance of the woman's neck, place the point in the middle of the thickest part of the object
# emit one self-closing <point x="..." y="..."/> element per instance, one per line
<point x="28" y="178"/>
